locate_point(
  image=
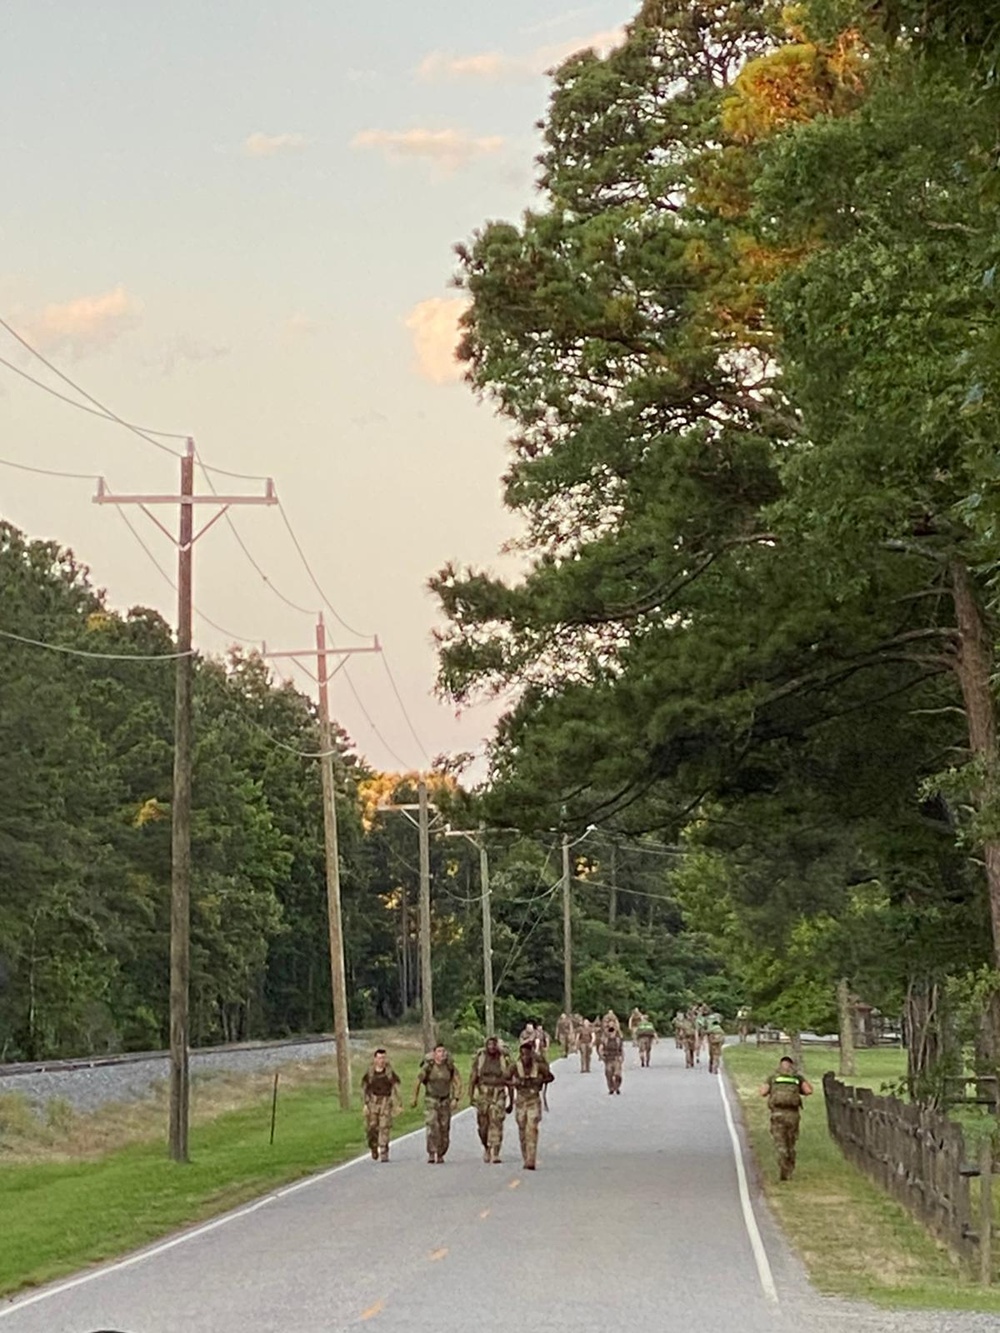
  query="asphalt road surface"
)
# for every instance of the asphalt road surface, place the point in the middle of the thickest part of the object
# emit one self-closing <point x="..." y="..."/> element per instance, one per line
<point x="633" y="1220"/>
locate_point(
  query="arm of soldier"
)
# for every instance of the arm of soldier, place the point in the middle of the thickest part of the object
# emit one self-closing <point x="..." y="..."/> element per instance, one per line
<point x="456" y="1088"/>
<point x="397" y="1101"/>
<point x="421" y="1081"/>
<point x="473" y="1079"/>
<point x="509" y="1081"/>
<point x="805" y="1087"/>
<point x="765" y="1089"/>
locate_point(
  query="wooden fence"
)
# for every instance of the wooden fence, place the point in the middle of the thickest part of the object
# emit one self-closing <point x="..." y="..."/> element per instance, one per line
<point x="919" y="1158"/>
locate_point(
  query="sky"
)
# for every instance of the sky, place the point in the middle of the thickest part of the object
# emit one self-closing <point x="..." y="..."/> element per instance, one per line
<point x="236" y="221"/>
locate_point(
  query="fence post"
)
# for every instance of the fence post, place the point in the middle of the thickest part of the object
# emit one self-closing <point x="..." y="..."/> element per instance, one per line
<point x="986" y="1211"/>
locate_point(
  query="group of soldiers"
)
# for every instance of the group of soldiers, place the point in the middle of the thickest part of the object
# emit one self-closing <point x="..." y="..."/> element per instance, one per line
<point x="498" y="1086"/>
<point x="699" y="1029"/>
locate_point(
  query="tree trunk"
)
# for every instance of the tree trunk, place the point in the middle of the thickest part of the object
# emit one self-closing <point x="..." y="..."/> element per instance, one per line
<point x="974" y="666"/>
<point x="795" y="1041"/>
<point x="848" y="1064"/>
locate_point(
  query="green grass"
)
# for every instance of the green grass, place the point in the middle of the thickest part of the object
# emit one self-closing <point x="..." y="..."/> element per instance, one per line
<point x="853" y="1239"/>
<point x="61" y="1215"/>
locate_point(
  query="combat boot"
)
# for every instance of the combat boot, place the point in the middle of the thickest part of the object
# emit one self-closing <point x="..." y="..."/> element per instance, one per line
<point x="487" y="1155"/>
<point x="374" y="1154"/>
<point x="495" y="1156"/>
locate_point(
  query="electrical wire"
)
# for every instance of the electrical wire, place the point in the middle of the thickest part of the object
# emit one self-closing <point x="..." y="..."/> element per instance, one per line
<point x="368" y="718"/>
<point x="402" y="707"/>
<point x="49" y="472"/>
<point x="163" y="574"/>
<point x="104" y="657"/>
<point x="82" y="407"/>
<point x="142" y="433"/>
<point x="315" y="582"/>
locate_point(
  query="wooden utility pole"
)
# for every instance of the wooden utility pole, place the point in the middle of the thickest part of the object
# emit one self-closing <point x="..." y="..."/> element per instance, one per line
<point x="338" y="969"/>
<point x="180" y="813"/>
<point x="478" y="839"/>
<point x="426" y="975"/>
<point x="567" y="931"/>
<point x="423" y="806"/>
<point x="613" y="904"/>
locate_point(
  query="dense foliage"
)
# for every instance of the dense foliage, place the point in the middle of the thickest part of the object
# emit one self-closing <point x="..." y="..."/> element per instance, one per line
<point x="747" y="348"/>
<point x="85" y="789"/>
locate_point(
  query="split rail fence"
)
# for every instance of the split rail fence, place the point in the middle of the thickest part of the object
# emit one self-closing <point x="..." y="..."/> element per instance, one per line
<point x="919" y="1158"/>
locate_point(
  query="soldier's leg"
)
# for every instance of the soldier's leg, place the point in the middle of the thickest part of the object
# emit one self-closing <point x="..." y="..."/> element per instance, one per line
<point x="521" y="1112"/>
<point x="619" y="1065"/>
<point x="430" y="1125"/>
<point x="371" y="1129"/>
<point x="444" y="1127"/>
<point x="791" y="1139"/>
<point x="496" y="1126"/>
<point x="384" y="1128"/>
<point x="532" y="1121"/>
<point x="609" y="1075"/>
<point x="483" y="1123"/>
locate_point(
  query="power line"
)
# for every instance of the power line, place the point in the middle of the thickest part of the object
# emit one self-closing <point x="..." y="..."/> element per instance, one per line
<point x="104" y="657"/>
<point x="368" y="718"/>
<point x="402" y="707"/>
<point x="82" y="407"/>
<point x="315" y="582"/>
<point x="112" y="416"/>
<point x="172" y="583"/>
<point x="295" y="606"/>
<point x="49" y="472"/>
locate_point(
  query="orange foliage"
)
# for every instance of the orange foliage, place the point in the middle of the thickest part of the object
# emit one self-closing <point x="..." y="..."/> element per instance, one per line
<point x="796" y="84"/>
<point x="386" y="788"/>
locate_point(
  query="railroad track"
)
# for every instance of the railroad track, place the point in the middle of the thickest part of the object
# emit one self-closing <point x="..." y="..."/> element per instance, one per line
<point x="13" y="1069"/>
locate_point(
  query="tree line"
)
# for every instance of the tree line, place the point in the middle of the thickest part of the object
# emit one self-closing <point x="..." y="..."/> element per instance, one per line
<point x="747" y="346"/>
<point x="86" y="756"/>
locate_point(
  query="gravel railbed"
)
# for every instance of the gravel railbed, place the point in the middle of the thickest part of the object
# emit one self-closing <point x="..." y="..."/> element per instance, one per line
<point x="90" y="1089"/>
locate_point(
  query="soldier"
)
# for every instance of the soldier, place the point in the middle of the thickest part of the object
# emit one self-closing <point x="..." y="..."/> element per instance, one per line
<point x="716" y="1040"/>
<point x="634" y="1019"/>
<point x="528" y="1033"/>
<point x="527" y="1079"/>
<point x="442" y="1091"/>
<point x="689" y="1039"/>
<point x="784" y="1091"/>
<point x="542" y="1041"/>
<point x="379" y="1089"/>
<point x="584" y="1044"/>
<point x="611" y="1049"/>
<point x="564" y="1033"/>
<point x="678" y="1024"/>
<point x="488" y="1094"/>
<point x="645" y="1035"/>
<point x="743" y="1022"/>
<point x="701" y="1030"/>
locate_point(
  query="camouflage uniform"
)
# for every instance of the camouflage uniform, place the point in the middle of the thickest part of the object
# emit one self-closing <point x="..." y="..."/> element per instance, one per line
<point x="689" y="1040"/>
<point x="678" y="1024"/>
<point x="645" y="1035"/>
<point x="488" y="1093"/>
<point x="634" y="1019"/>
<point x="613" y="1055"/>
<point x="526" y="1093"/>
<point x="564" y="1033"/>
<point x="584" y="1044"/>
<point x="378" y="1089"/>
<point x="442" y="1090"/>
<point x="784" y="1100"/>
<point x="716" y="1041"/>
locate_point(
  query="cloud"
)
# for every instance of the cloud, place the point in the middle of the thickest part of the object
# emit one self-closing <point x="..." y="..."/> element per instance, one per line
<point x="85" y="325"/>
<point x="185" y="350"/>
<point x="270" y="145"/>
<point x="434" y="327"/>
<point x="495" y="67"/>
<point x="557" y="20"/>
<point x="448" y="150"/>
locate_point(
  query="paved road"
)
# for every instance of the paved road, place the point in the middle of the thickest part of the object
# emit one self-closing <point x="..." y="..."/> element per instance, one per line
<point x="633" y="1221"/>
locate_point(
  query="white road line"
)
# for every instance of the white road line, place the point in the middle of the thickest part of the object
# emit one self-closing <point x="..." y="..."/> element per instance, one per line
<point x="142" y="1255"/>
<point x="749" y="1219"/>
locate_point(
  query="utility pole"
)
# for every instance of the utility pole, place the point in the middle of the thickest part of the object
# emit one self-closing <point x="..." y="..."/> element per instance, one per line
<point x="426" y="976"/>
<point x="613" y="904"/>
<point x="478" y="840"/>
<point x="567" y="932"/>
<point x="423" y="824"/>
<point x="338" y="970"/>
<point x="180" y="814"/>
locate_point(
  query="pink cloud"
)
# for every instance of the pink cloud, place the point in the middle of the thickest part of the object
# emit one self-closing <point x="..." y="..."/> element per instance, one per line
<point x="448" y="150"/>
<point x="434" y="326"/>
<point x="84" y="325"/>
<point x="495" y="67"/>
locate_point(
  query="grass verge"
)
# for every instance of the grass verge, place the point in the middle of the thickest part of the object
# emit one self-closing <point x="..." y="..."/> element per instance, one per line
<point x="68" y="1199"/>
<point x="854" y="1240"/>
